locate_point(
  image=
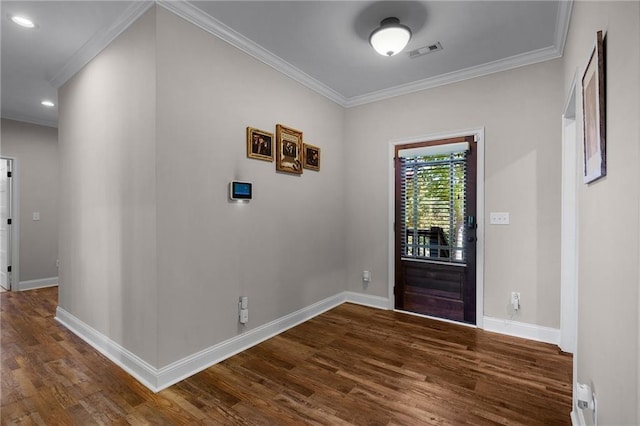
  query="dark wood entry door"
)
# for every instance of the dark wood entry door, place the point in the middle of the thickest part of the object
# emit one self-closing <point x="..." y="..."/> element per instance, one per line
<point x="435" y="227"/>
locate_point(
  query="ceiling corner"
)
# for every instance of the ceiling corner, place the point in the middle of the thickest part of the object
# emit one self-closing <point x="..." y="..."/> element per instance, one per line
<point x="29" y="119"/>
<point x="563" y="19"/>
<point x="202" y="20"/>
<point x="99" y="41"/>
<point x="516" y="61"/>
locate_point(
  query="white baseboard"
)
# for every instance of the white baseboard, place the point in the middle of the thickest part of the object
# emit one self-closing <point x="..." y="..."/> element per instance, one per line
<point x="577" y="418"/>
<point x="40" y="283"/>
<point x="157" y="379"/>
<point x="128" y="361"/>
<point x="521" y="329"/>
<point x="367" y="300"/>
<point x="181" y="369"/>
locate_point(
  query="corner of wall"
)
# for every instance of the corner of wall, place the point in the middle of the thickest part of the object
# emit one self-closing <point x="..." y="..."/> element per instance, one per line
<point x="107" y="200"/>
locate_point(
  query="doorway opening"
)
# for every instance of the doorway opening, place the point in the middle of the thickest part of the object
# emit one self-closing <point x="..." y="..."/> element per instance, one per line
<point x="437" y="230"/>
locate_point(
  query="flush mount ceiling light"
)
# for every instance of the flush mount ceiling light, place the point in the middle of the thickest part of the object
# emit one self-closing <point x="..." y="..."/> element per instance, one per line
<point x="48" y="103"/>
<point x="390" y="38"/>
<point x="22" y="21"/>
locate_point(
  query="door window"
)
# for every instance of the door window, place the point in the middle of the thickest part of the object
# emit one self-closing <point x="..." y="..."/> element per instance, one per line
<point x="433" y="204"/>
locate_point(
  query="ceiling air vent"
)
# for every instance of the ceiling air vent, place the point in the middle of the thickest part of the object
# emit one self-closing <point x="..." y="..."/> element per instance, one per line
<point x="426" y="49"/>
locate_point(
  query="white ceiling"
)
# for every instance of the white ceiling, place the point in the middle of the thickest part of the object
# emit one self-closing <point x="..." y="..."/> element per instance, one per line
<point x="322" y="44"/>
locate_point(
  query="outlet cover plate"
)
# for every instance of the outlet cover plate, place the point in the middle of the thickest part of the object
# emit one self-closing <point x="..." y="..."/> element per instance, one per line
<point x="499" y="218"/>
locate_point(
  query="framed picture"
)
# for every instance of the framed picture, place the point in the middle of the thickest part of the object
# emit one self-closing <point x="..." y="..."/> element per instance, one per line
<point x="593" y="98"/>
<point x="311" y="157"/>
<point x="259" y="144"/>
<point x="288" y="149"/>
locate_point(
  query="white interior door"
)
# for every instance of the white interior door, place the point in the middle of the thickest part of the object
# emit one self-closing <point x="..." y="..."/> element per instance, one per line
<point x="5" y="226"/>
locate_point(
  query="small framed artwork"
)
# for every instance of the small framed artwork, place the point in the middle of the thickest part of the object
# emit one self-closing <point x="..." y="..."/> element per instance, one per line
<point x="259" y="144"/>
<point x="311" y="157"/>
<point x="288" y="149"/>
<point x="593" y="98"/>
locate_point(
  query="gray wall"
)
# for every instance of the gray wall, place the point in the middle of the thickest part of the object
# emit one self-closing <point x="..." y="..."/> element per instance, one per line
<point x="108" y="265"/>
<point x="284" y="249"/>
<point x="609" y="212"/>
<point x="149" y="239"/>
<point x="36" y="150"/>
<point x="520" y="112"/>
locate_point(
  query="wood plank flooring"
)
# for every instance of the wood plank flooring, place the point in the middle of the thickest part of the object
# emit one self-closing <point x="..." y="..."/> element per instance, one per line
<point x="350" y="366"/>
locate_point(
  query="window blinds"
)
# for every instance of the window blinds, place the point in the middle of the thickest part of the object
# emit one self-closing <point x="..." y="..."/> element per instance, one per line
<point x="433" y="202"/>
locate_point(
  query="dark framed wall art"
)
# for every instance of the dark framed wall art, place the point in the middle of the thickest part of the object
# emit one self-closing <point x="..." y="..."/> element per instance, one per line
<point x="594" y="114"/>
<point x="288" y="149"/>
<point x="259" y="144"/>
<point x="311" y="157"/>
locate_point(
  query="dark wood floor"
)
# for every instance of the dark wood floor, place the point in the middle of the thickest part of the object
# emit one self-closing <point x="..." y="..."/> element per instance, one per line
<point x="351" y="365"/>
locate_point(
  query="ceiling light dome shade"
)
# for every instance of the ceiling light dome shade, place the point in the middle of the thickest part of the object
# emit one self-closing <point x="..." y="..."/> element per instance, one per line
<point x="390" y="38"/>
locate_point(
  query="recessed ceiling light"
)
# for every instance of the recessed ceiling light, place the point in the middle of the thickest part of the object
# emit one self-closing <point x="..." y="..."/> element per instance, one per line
<point x="48" y="103"/>
<point x="22" y="21"/>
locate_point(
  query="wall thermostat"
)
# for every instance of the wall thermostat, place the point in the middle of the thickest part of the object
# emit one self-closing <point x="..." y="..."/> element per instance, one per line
<point x="240" y="190"/>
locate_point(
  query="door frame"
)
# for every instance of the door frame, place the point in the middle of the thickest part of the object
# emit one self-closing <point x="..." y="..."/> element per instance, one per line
<point x="15" y="223"/>
<point x="570" y="236"/>
<point x="479" y="136"/>
<point x="569" y="222"/>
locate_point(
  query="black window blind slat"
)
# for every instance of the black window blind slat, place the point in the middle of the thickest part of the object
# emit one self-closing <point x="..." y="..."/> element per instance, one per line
<point x="433" y="206"/>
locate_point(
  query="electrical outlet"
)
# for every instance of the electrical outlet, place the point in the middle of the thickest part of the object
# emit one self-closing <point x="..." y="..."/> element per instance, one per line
<point x="57" y="263"/>
<point x="366" y="276"/>
<point x="243" y="306"/>
<point x="515" y="300"/>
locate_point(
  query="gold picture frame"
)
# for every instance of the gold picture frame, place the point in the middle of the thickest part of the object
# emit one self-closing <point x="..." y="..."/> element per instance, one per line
<point x="311" y="157"/>
<point x="593" y="103"/>
<point x="288" y="149"/>
<point x="259" y="144"/>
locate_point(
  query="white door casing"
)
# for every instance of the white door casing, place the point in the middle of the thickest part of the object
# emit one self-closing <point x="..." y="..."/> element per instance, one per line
<point x="5" y="226"/>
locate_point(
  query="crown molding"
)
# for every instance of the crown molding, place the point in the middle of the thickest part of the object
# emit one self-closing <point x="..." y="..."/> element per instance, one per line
<point x="99" y="41"/>
<point x="213" y="26"/>
<point x="505" y="64"/>
<point x="29" y="119"/>
<point x="555" y="51"/>
<point x="197" y="17"/>
<point x="563" y="18"/>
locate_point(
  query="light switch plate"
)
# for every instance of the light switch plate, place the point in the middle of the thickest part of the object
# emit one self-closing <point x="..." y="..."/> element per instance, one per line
<point x="36" y="215"/>
<point x="499" y="218"/>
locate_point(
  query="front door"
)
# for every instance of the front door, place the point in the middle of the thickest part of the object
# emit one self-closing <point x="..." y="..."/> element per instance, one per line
<point x="435" y="228"/>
